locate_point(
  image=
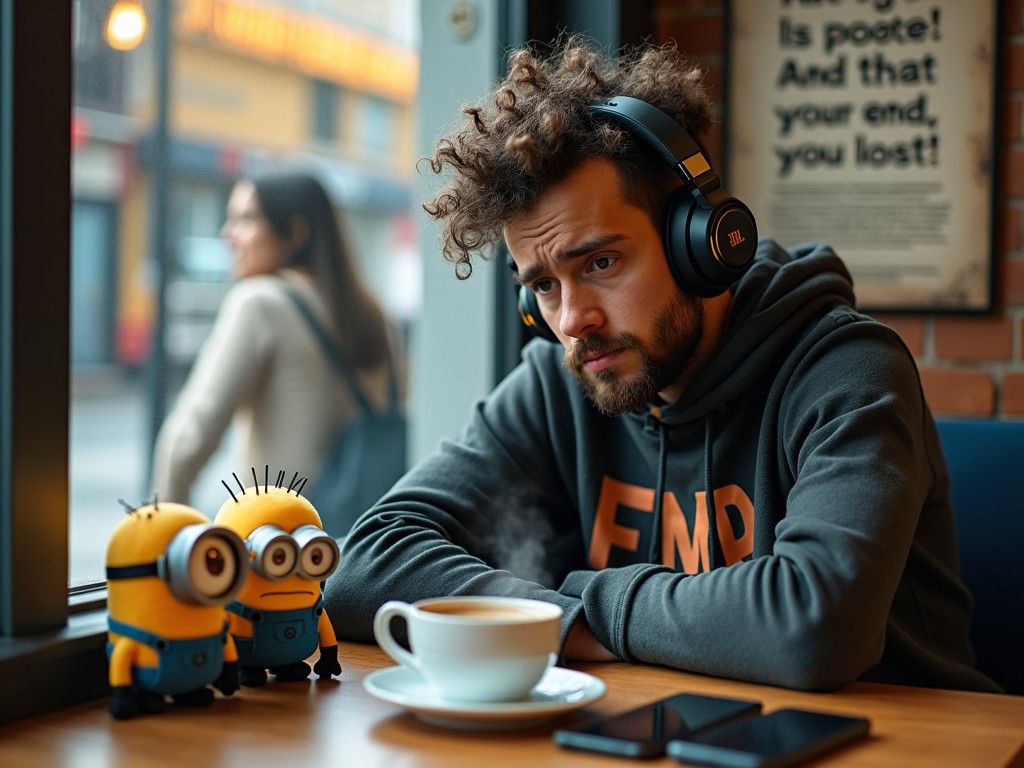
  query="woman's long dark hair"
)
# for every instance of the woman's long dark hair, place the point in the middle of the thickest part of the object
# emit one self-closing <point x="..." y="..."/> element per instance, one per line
<point x="359" y="323"/>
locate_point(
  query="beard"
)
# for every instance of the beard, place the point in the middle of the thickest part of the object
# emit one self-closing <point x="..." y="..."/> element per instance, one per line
<point x="676" y="336"/>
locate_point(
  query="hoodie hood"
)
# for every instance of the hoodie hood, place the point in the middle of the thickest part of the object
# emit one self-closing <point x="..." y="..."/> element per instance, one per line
<point x="771" y="304"/>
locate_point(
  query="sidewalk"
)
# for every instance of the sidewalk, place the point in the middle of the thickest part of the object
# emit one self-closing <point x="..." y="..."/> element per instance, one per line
<point x="109" y="455"/>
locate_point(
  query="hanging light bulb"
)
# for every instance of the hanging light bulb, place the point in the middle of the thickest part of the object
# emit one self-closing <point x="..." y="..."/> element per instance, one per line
<point x="126" y="25"/>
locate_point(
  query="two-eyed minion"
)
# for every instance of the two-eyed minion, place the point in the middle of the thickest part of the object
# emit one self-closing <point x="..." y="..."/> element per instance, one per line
<point x="278" y="619"/>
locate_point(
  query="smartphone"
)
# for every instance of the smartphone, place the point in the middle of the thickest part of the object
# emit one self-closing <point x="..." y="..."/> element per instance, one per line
<point x="644" y="732"/>
<point x="784" y="737"/>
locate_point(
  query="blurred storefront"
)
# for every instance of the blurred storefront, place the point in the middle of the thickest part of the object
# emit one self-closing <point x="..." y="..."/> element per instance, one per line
<point x="328" y="85"/>
<point x="160" y="132"/>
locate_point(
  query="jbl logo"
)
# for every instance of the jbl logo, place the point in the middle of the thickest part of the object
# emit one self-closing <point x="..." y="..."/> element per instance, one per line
<point x="736" y="237"/>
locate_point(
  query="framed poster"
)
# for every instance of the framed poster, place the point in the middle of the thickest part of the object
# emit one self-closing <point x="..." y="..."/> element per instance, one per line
<point x="871" y="125"/>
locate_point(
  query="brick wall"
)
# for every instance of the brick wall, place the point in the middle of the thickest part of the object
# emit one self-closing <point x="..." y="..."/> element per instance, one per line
<point x="970" y="365"/>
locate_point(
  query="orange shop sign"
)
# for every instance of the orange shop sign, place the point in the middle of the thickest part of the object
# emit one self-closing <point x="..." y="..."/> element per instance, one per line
<point x="309" y="43"/>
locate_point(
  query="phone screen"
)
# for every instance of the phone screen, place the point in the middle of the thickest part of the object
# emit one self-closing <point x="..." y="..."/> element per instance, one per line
<point x="644" y="732"/>
<point x="785" y="737"/>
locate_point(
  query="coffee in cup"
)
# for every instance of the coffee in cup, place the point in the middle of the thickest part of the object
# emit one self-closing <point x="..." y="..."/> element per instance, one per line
<point x="484" y="649"/>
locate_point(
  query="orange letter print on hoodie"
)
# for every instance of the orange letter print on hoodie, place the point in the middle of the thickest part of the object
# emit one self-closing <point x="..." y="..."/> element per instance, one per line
<point x="676" y="538"/>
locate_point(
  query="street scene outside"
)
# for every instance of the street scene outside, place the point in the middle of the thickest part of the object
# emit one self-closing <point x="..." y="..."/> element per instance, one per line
<point x="109" y="462"/>
<point x="163" y="124"/>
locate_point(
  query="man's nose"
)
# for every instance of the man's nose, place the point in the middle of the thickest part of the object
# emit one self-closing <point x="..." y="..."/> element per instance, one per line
<point x="579" y="313"/>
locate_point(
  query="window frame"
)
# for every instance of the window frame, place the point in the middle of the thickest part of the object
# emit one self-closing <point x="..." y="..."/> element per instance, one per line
<point x="49" y="658"/>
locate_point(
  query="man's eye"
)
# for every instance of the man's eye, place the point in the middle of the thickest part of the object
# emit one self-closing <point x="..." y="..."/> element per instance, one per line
<point x="601" y="263"/>
<point x="543" y="286"/>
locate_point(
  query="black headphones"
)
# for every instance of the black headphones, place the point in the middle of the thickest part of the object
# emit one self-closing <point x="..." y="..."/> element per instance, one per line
<point x="710" y="236"/>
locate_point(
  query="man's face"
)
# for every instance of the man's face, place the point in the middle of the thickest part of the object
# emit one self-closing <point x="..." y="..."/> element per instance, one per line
<point x="596" y="264"/>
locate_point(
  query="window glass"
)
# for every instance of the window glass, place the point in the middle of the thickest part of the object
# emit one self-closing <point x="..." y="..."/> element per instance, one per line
<point x="325" y="110"/>
<point x="249" y="84"/>
<point x="378" y="127"/>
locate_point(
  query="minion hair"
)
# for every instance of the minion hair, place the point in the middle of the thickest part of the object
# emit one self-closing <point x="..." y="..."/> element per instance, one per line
<point x="295" y="485"/>
<point x="230" y="491"/>
<point x="128" y="508"/>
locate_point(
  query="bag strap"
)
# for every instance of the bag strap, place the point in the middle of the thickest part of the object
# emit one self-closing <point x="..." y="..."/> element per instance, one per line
<point x="335" y="359"/>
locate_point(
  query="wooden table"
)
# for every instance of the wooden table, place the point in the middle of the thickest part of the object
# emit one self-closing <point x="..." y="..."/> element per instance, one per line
<point x="338" y="723"/>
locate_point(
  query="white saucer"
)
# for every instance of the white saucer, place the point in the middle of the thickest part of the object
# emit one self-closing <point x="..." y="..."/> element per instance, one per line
<point x="560" y="690"/>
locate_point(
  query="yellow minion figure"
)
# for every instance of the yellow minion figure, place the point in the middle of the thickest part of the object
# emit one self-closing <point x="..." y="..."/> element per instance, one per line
<point x="170" y="572"/>
<point x="278" y="619"/>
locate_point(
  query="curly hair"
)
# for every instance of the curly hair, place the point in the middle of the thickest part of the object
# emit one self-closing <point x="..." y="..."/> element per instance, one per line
<point x="537" y="129"/>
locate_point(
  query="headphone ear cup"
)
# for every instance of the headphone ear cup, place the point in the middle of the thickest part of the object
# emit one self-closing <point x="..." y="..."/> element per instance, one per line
<point x="530" y="314"/>
<point x="708" y="248"/>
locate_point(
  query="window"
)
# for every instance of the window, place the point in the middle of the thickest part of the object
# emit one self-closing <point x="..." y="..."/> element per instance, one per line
<point x="98" y="325"/>
<point x="194" y="106"/>
<point x="378" y="127"/>
<point x="99" y="69"/>
<point x="44" y="660"/>
<point x="326" y="101"/>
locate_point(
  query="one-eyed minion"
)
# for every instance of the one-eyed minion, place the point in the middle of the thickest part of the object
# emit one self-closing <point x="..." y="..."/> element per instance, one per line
<point x="170" y="572"/>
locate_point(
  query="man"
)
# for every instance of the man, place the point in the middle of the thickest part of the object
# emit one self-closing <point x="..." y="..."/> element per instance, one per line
<point x="720" y="466"/>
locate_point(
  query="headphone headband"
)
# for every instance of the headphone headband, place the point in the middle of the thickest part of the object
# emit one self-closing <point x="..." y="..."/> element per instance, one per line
<point x="663" y="135"/>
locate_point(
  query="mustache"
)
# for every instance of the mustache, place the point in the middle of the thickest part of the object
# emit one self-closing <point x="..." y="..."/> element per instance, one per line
<point x="597" y="344"/>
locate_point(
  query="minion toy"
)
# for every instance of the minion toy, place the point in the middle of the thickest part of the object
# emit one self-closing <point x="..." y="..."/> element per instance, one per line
<point x="170" y="573"/>
<point x="278" y="618"/>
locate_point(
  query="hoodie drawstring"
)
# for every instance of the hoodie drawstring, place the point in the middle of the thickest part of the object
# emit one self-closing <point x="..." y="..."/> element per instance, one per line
<point x="709" y="494"/>
<point x="659" y="491"/>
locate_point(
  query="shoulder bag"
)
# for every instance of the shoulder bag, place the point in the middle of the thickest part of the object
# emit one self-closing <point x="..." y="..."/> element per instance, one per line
<point x="368" y="454"/>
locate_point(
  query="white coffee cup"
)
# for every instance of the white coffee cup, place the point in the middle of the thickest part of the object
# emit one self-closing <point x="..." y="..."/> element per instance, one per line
<point x="484" y="649"/>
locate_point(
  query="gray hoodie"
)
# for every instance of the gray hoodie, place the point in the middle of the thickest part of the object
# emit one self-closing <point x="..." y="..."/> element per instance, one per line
<point x="787" y="521"/>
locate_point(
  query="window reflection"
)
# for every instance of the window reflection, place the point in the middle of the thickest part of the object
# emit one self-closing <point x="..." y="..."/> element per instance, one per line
<point x="325" y="85"/>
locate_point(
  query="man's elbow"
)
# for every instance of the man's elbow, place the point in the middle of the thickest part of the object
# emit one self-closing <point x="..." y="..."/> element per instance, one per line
<point x="823" y="659"/>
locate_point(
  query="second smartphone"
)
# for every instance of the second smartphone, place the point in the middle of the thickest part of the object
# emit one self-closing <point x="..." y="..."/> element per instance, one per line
<point x="644" y="731"/>
<point x="785" y="737"/>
